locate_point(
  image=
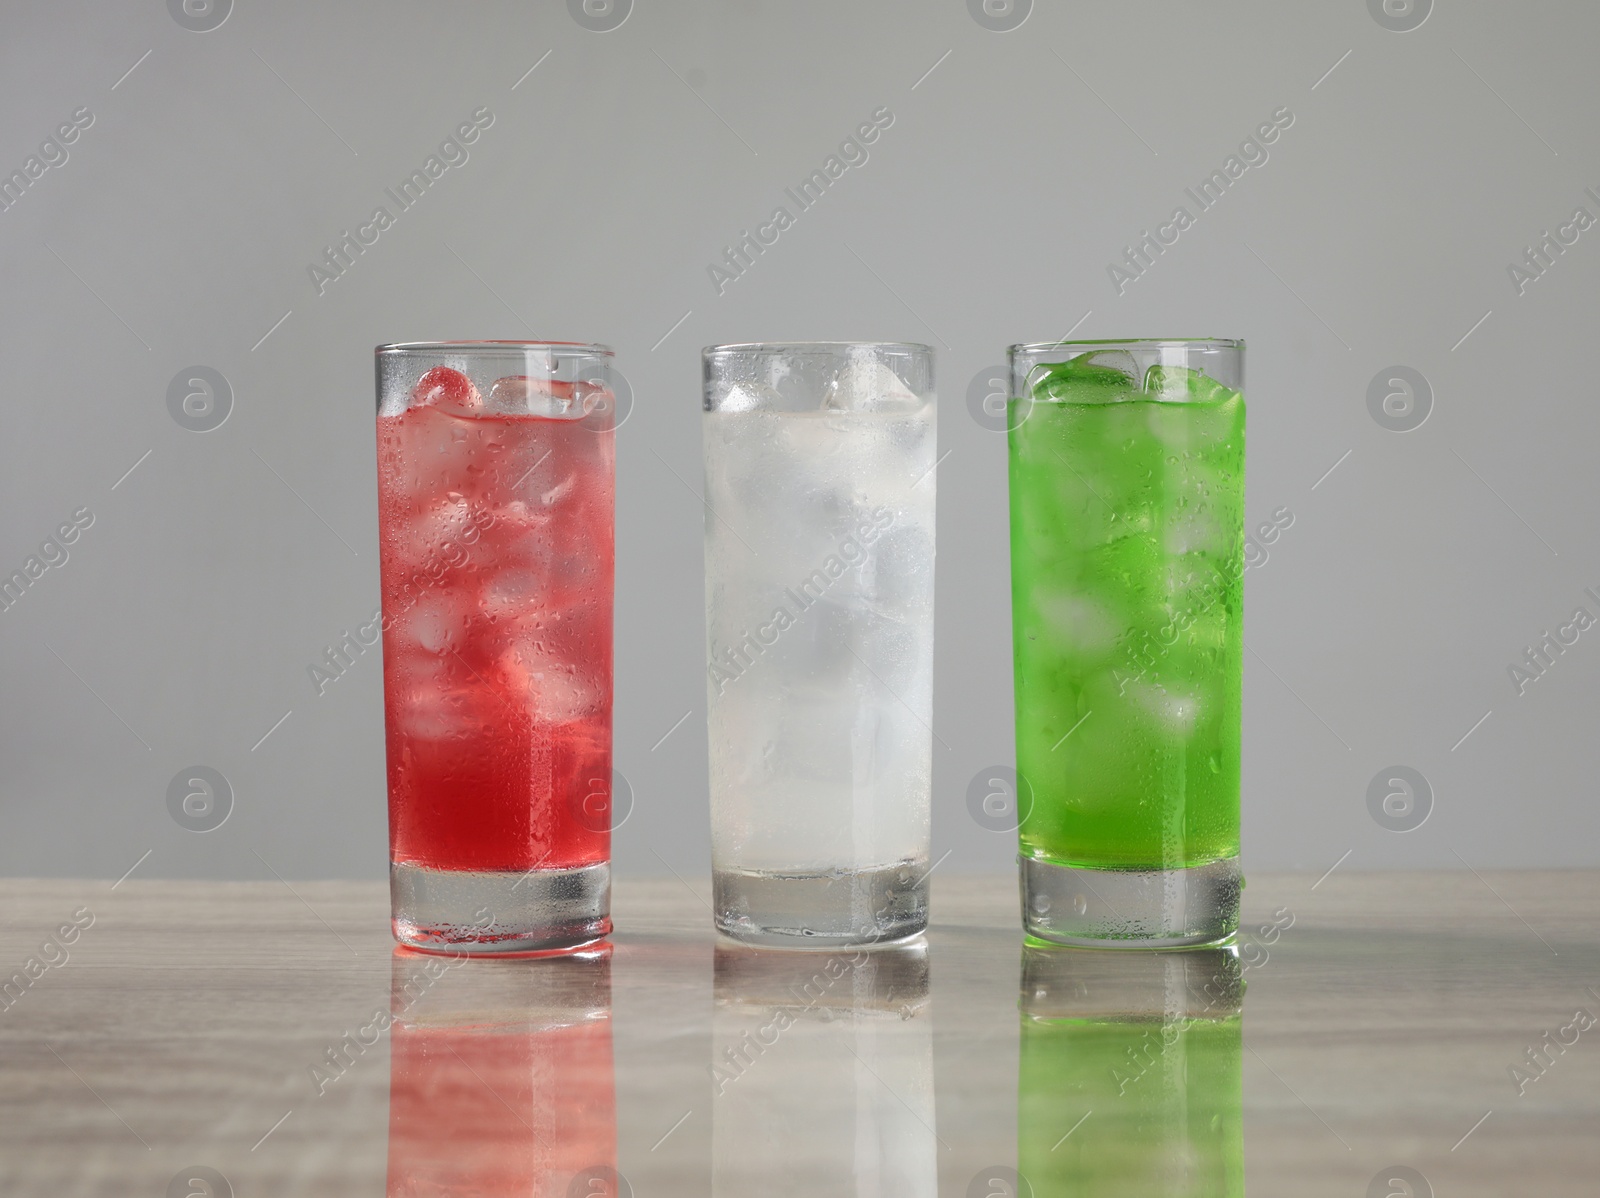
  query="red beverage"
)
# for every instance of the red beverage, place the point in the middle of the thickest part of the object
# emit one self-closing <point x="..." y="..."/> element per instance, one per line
<point x="495" y="529"/>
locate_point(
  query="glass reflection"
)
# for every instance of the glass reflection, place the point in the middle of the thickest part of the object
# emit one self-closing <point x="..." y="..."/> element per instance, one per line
<point x="1130" y="1081"/>
<point x="822" y="1073"/>
<point x="501" y="1076"/>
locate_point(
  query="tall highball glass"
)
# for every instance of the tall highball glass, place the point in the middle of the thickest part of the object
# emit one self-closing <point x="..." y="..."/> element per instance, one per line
<point x="496" y="469"/>
<point x="1127" y="562"/>
<point x="819" y="463"/>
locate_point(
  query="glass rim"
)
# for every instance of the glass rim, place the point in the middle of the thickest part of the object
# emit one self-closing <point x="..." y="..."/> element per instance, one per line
<point x="1039" y="347"/>
<point x="459" y="347"/>
<point x="812" y="347"/>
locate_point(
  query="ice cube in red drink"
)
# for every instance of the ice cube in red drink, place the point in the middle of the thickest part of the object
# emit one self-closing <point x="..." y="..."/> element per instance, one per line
<point x="445" y="387"/>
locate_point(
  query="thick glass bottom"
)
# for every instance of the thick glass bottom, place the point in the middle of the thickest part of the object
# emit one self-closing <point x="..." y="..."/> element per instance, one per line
<point x="1130" y="908"/>
<point x="495" y="912"/>
<point x="841" y="908"/>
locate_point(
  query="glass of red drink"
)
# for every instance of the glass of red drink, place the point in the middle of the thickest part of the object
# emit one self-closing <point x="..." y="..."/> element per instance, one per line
<point x="496" y="482"/>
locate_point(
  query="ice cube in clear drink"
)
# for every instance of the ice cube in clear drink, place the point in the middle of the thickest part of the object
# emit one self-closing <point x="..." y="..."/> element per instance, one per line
<point x="868" y="385"/>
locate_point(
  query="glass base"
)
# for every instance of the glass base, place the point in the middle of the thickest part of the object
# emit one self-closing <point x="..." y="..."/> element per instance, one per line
<point x="1130" y="908"/>
<point x="822" y="910"/>
<point x="496" y="912"/>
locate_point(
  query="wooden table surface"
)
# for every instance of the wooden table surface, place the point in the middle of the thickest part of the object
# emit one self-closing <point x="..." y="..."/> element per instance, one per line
<point x="157" y="1030"/>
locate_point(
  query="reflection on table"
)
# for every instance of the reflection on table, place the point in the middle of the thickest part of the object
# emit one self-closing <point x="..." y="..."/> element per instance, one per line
<point x="501" y="1080"/>
<point x="822" y="1073"/>
<point x="1130" y="1079"/>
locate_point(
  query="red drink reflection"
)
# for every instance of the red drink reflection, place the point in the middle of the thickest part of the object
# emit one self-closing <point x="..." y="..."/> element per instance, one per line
<point x="501" y="1079"/>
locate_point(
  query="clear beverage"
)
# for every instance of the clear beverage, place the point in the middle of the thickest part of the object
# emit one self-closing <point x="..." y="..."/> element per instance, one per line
<point x="495" y="482"/>
<point x="819" y="615"/>
<point x="1127" y="534"/>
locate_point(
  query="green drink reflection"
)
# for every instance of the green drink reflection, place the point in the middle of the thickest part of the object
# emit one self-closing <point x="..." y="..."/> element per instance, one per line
<point x="1130" y="1079"/>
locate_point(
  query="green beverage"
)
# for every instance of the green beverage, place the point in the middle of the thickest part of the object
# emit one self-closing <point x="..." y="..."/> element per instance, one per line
<point x="1127" y="498"/>
<point x="1141" y="1101"/>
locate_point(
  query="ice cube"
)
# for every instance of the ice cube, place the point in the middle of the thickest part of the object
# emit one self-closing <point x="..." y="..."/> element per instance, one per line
<point x="1124" y="564"/>
<point x="447" y="389"/>
<point x="1180" y="384"/>
<point x="1207" y="629"/>
<point x="429" y="625"/>
<point x="439" y="712"/>
<point x="867" y="385"/>
<point x="1100" y="376"/>
<point x="556" y="690"/>
<point x="1193" y="528"/>
<point x="445" y="529"/>
<point x="812" y="739"/>
<point x="1191" y="583"/>
<point x="518" y="522"/>
<point x="566" y="696"/>
<point x="510" y="594"/>
<point x="1175" y="710"/>
<point x="824" y="439"/>
<point x="1111" y="359"/>
<point x="749" y="397"/>
<point x="551" y="496"/>
<point x="896" y="573"/>
<point x="523" y="395"/>
<point x="424" y="453"/>
<point x="523" y="536"/>
<point x="1080" y="621"/>
<point x="1192" y="431"/>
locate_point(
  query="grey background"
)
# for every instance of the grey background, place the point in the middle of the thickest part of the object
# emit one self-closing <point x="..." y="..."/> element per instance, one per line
<point x="1019" y="165"/>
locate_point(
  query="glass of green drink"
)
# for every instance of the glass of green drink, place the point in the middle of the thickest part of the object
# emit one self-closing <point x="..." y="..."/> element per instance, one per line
<point x="1130" y="1080"/>
<point x="1127" y="542"/>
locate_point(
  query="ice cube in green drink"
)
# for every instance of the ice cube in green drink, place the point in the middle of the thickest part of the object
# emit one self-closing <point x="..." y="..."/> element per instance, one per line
<point x="1180" y="384"/>
<point x="1090" y="378"/>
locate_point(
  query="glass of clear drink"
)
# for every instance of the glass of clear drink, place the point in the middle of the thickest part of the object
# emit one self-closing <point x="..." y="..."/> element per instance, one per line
<point x="819" y="465"/>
